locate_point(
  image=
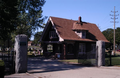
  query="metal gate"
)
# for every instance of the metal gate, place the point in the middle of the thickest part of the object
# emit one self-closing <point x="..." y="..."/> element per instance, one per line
<point x="88" y="58"/>
<point x="8" y="56"/>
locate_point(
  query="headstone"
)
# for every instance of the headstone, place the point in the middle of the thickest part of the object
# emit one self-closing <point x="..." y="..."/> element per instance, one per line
<point x="21" y="53"/>
<point x="100" y="53"/>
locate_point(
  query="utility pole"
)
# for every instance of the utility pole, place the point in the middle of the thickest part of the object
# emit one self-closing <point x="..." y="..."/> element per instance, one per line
<point x="114" y="27"/>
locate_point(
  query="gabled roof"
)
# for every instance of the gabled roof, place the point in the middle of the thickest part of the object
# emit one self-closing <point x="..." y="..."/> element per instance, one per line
<point x="65" y="27"/>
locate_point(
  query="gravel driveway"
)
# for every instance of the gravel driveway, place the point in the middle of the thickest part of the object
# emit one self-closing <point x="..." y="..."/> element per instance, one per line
<point x="38" y="65"/>
<point x="47" y="68"/>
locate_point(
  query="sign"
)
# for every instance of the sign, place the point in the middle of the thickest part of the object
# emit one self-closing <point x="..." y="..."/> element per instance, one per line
<point x="22" y="43"/>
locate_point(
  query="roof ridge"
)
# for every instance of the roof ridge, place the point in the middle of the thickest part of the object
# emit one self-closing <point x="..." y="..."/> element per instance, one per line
<point x="62" y="18"/>
<point x="71" y="19"/>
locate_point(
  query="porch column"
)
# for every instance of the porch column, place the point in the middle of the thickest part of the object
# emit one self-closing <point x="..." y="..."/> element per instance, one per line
<point x="64" y="50"/>
<point x="44" y="48"/>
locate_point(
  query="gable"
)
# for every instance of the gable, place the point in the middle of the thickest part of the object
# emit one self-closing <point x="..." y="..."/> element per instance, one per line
<point x="49" y="33"/>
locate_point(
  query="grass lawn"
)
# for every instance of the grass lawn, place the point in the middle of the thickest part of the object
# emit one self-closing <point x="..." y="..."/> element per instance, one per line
<point x="115" y="61"/>
<point x="31" y="54"/>
<point x="70" y="60"/>
<point x="1" y="63"/>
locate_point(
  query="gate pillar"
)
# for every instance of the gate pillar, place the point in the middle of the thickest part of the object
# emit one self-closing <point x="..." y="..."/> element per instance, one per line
<point x="100" y="53"/>
<point x="21" y="53"/>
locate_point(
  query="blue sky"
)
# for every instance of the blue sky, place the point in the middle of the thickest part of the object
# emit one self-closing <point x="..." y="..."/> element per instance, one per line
<point x="93" y="11"/>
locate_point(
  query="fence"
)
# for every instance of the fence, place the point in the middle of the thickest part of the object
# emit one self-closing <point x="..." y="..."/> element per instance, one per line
<point x="88" y="58"/>
<point x="112" y="60"/>
<point x="9" y="61"/>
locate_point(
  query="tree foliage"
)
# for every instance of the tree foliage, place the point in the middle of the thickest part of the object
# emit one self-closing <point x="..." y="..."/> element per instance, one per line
<point x="30" y="16"/>
<point x="117" y="34"/>
<point x="37" y="37"/>
<point x="109" y="35"/>
<point x="23" y="16"/>
<point x="8" y="14"/>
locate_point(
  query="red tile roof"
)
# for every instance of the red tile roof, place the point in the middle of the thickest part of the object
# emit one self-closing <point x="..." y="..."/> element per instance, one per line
<point x="65" y="29"/>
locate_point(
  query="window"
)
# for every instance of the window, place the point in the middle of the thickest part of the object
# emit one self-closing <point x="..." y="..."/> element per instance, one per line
<point x="81" y="34"/>
<point x="82" y="48"/>
<point x="52" y="34"/>
<point x="50" y="48"/>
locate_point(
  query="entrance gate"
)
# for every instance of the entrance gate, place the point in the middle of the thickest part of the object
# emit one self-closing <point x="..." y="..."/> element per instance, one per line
<point x="7" y="56"/>
<point x="95" y="57"/>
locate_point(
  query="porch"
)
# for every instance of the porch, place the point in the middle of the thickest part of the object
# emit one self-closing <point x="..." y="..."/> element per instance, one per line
<point x="58" y="49"/>
<point x="69" y="49"/>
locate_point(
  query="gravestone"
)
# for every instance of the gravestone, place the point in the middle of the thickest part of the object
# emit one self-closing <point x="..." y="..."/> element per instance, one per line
<point x="100" y="53"/>
<point x="20" y="48"/>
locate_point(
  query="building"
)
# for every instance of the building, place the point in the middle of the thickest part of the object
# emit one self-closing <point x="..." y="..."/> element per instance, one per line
<point x="70" y="38"/>
<point x="30" y="43"/>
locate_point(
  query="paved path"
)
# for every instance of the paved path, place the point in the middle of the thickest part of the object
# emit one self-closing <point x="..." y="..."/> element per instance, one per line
<point x="47" y="68"/>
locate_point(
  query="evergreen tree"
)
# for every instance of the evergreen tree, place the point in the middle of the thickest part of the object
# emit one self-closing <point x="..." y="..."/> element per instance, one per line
<point x="37" y="37"/>
<point x="30" y="16"/>
<point x="8" y="14"/>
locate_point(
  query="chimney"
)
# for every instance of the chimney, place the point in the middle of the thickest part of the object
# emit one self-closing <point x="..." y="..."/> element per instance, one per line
<point x="79" y="19"/>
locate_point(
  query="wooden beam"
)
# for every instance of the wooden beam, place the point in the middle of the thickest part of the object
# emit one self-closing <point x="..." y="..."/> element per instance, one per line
<point x="64" y="48"/>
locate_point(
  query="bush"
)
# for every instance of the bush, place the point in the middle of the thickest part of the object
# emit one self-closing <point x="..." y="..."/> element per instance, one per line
<point x="2" y="63"/>
<point x="2" y="68"/>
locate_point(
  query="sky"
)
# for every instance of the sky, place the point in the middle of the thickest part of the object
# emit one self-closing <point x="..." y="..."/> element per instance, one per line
<point x="92" y="11"/>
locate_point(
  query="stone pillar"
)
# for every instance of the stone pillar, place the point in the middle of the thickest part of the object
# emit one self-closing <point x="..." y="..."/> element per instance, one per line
<point x="21" y="53"/>
<point x="100" y="53"/>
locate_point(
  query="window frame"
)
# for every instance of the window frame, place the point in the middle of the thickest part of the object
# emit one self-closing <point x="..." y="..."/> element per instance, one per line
<point x="50" y="48"/>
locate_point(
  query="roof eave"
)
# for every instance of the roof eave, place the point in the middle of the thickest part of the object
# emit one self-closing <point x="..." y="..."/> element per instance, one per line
<point x="44" y="30"/>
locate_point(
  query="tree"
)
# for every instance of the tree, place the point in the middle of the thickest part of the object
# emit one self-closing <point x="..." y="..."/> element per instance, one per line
<point x="37" y="37"/>
<point x="8" y="20"/>
<point x="117" y="37"/>
<point x="109" y="35"/>
<point x="30" y="16"/>
<point x="8" y="14"/>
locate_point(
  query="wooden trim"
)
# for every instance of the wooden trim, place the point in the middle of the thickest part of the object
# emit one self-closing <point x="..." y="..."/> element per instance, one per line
<point x="64" y="48"/>
<point x="60" y="38"/>
<point x="51" y="42"/>
<point x="78" y="40"/>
